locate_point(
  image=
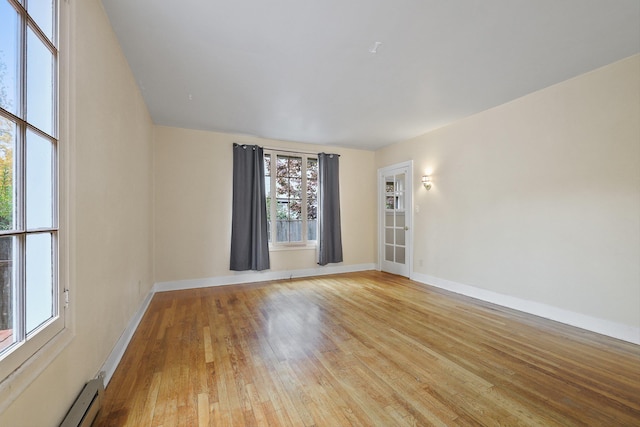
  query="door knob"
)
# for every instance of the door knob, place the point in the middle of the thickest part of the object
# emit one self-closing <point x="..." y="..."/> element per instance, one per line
<point x="406" y="228"/>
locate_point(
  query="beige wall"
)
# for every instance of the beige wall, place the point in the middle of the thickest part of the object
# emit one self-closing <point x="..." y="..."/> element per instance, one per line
<point x="193" y="193"/>
<point x="539" y="198"/>
<point x="110" y="200"/>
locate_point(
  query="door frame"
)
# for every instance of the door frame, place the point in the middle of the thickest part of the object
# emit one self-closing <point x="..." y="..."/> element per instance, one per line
<point x="408" y="166"/>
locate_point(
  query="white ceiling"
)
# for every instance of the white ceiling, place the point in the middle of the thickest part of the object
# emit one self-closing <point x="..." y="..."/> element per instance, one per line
<point x="301" y="70"/>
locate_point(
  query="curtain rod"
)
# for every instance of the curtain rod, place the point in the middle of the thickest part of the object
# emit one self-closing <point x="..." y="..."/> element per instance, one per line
<point x="283" y="150"/>
<point x="290" y="151"/>
<point x="299" y="152"/>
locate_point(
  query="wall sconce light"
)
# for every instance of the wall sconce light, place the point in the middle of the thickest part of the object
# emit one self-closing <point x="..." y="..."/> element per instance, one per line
<point x="426" y="181"/>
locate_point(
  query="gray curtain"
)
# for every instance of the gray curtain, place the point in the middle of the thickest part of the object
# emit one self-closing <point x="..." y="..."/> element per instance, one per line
<point x="249" y="238"/>
<point x="329" y="232"/>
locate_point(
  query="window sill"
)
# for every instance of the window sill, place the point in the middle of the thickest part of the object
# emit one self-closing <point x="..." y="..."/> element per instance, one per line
<point x="12" y="386"/>
<point x="278" y="248"/>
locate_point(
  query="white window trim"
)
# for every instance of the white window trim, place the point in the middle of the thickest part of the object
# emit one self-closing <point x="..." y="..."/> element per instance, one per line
<point x="289" y="246"/>
<point x="20" y="367"/>
<point x="312" y="246"/>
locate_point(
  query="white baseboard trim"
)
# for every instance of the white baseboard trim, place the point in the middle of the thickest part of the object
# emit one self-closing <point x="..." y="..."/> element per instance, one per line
<point x="110" y="365"/>
<point x="112" y="362"/>
<point x="259" y="276"/>
<point x="593" y="324"/>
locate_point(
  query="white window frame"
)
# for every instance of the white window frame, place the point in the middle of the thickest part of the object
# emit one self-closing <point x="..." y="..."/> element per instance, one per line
<point x="23" y="361"/>
<point x="304" y="243"/>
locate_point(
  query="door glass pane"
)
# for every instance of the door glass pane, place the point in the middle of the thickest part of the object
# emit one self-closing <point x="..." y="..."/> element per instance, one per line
<point x="388" y="221"/>
<point x="42" y="12"/>
<point x="400" y="192"/>
<point x="400" y="236"/>
<point x="7" y="173"/>
<point x="388" y="252"/>
<point x="388" y="236"/>
<point x="389" y="202"/>
<point x="39" y="181"/>
<point x="399" y="254"/>
<point x="8" y="57"/>
<point x="400" y="219"/>
<point x="39" y="279"/>
<point x="389" y="185"/>
<point x="39" y="84"/>
<point x="7" y="316"/>
<point x="400" y="183"/>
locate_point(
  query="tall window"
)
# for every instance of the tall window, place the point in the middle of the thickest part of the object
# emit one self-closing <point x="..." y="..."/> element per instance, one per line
<point x="29" y="296"/>
<point x="291" y="183"/>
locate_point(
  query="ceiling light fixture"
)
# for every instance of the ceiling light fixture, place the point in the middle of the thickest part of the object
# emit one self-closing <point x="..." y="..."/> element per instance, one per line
<point x="374" y="48"/>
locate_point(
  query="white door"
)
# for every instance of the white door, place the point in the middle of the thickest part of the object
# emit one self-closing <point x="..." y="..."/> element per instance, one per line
<point x="395" y="234"/>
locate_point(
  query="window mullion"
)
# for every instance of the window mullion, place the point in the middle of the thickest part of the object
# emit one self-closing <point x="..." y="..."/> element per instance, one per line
<point x="22" y="65"/>
<point x="304" y="199"/>
<point x="274" y="201"/>
<point x="19" y="255"/>
<point x="56" y="188"/>
<point x="20" y="301"/>
<point x="20" y="241"/>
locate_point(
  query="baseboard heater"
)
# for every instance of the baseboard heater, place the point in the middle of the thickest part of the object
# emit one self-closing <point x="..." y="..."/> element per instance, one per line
<point x="86" y="406"/>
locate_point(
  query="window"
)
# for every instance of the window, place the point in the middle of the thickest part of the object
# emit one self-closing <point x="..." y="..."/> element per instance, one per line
<point x="30" y="300"/>
<point x="291" y="184"/>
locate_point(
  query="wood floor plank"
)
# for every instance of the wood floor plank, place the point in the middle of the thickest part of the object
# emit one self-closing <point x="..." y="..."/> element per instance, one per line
<point x="363" y="349"/>
<point x="204" y="409"/>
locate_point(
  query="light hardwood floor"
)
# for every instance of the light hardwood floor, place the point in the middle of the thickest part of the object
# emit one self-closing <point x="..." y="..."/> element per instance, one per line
<point x="364" y="349"/>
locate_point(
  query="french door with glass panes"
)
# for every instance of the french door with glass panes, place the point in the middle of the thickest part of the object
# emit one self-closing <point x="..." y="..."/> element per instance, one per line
<point x="395" y="248"/>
